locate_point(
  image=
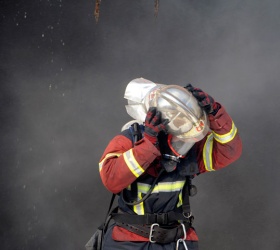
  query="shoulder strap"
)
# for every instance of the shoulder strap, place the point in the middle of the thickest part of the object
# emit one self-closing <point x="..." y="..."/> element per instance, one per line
<point x="111" y="203"/>
<point x="107" y="218"/>
<point x="103" y="227"/>
<point x="186" y="199"/>
<point x="188" y="190"/>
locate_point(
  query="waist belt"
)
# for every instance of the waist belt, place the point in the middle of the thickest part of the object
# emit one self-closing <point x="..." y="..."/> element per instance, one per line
<point x="161" y="228"/>
<point x="159" y="234"/>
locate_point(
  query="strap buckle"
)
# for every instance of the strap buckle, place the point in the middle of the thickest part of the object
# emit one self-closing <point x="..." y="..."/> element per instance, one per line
<point x="151" y="232"/>
<point x="187" y="215"/>
<point x="160" y="218"/>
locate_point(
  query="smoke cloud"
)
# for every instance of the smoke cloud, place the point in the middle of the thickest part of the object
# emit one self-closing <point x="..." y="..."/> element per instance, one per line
<point x="62" y="83"/>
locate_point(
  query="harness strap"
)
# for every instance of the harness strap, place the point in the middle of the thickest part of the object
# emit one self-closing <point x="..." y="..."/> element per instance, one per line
<point x="186" y="198"/>
<point x="108" y="216"/>
<point x="148" y="219"/>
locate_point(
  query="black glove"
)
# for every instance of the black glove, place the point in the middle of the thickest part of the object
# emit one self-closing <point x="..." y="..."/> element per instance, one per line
<point x="154" y="124"/>
<point x="205" y="101"/>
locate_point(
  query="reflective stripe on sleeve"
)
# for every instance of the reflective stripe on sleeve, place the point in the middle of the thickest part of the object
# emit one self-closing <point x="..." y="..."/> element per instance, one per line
<point x="226" y="137"/>
<point x="207" y="153"/>
<point x="132" y="164"/>
<point x="110" y="155"/>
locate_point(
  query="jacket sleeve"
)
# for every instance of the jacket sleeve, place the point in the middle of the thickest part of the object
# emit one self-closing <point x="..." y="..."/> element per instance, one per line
<point x="121" y="163"/>
<point x="222" y="146"/>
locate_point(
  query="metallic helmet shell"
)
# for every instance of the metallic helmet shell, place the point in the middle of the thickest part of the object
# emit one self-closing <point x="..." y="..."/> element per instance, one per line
<point x="180" y="107"/>
<point x="187" y="121"/>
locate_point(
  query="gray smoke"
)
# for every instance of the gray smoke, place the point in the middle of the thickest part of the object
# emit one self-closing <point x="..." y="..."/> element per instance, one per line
<point x="62" y="83"/>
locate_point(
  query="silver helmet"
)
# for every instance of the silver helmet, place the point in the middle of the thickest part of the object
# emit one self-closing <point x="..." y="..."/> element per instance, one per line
<point x="188" y="123"/>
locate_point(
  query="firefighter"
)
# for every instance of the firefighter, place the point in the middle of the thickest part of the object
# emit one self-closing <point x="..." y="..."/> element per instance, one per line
<point x="178" y="133"/>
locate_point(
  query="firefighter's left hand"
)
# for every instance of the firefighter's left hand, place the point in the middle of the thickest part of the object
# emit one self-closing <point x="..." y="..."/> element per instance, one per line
<point x="205" y="101"/>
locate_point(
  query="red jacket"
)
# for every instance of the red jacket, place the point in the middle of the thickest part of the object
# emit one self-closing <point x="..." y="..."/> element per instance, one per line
<point x="122" y="163"/>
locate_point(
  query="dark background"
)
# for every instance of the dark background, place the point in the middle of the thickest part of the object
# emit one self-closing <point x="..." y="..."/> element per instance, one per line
<point x="62" y="83"/>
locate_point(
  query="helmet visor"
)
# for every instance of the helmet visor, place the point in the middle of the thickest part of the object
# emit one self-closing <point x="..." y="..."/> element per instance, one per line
<point x="186" y="119"/>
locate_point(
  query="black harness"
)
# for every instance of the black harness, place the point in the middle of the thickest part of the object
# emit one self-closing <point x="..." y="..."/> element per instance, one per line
<point x="159" y="227"/>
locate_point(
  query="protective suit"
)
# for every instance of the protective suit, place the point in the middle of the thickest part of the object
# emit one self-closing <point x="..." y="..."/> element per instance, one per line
<point x="185" y="133"/>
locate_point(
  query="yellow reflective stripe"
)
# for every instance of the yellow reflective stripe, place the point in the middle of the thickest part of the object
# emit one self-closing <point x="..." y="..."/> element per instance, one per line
<point x="143" y="188"/>
<point x="162" y="187"/>
<point x="106" y="157"/>
<point x="133" y="165"/>
<point x="171" y="186"/>
<point x="226" y="137"/>
<point x="139" y="208"/>
<point x="207" y="153"/>
<point x="180" y="200"/>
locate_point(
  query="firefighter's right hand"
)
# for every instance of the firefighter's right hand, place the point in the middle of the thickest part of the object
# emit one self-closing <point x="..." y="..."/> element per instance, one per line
<point x="205" y="101"/>
<point x="154" y="124"/>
